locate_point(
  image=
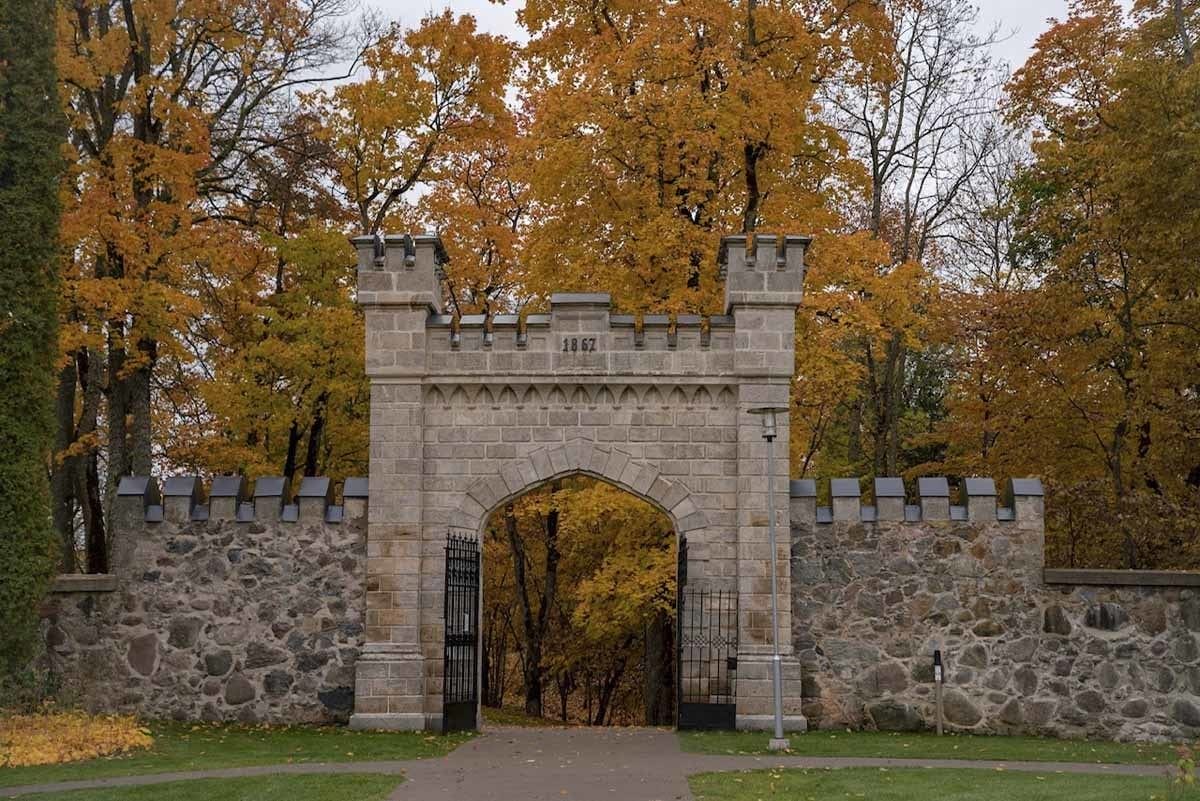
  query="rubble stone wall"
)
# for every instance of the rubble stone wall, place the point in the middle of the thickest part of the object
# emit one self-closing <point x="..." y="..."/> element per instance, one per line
<point x="873" y="599"/>
<point x="236" y="609"/>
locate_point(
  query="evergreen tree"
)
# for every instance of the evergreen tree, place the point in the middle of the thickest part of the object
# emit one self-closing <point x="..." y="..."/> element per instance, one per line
<point x="31" y="136"/>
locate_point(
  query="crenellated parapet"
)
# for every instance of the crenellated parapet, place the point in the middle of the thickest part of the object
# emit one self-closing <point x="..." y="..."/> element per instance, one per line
<point x="933" y="498"/>
<point x="411" y="333"/>
<point x="186" y="499"/>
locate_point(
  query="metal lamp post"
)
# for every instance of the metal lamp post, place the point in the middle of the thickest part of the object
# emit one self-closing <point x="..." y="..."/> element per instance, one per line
<point x="768" y="413"/>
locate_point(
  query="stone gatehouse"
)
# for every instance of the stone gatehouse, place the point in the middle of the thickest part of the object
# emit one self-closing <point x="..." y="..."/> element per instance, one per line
<point x="467" y="414"/>
<point x="278" y="604"/>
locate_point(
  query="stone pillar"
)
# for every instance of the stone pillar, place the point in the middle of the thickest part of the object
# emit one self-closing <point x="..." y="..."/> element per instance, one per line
<point x="399" y="286"/>
<point x="764" y="277"/>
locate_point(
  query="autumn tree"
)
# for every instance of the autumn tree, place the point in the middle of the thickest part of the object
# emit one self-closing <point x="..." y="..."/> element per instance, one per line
<point x="166" y="107"/>
<point x="1094" y="366"/>
<point x="922" y="119"/>
<point x="280" y="389"/>
<point x="656" y="127"/>
<point x="30" y="168"/>
<point x="582" y="576"/>
<point x="427" y="93"/>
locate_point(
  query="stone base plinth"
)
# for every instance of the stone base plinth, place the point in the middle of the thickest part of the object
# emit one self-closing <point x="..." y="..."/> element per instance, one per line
<point x="756" y="693"/>
<point x="389" y="689"/>
<point x="792" y="724"/>
<point x="399" y="721"/>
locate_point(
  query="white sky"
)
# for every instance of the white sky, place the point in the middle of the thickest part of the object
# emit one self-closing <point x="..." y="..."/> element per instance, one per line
<point x="1019" y="21"/>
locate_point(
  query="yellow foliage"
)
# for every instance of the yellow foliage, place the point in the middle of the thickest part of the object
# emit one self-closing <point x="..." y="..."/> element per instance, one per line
<point x="56" y="737"/>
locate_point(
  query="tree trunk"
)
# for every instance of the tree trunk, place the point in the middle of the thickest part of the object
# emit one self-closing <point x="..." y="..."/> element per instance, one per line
<point x="62" y="492"/>
<point x="90" y="369"/>
<point x="289" y="462"/>
<point x="118" y="410"/>
<point x="659" y="688"/>
<point x="141" y="432"/>
<point x="316" y="430"/>
<point x="535" y="626"/>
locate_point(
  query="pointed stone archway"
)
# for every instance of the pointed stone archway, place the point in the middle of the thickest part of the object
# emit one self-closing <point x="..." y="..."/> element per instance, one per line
<point x="467" y="413"/>
<point x="518" y="476"/>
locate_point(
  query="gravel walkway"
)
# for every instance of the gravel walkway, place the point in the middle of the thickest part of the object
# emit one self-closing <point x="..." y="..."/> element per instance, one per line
<point x="580" y="764"/>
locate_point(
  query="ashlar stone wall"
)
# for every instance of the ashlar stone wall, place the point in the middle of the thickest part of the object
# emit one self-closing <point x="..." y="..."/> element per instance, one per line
<point x="876" y="588"/>
<point x="469" y="412"/>
<point x="235" y="608"/>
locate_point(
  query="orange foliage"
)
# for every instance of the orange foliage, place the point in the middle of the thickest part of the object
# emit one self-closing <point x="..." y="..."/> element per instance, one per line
<point x="55" y="737"/>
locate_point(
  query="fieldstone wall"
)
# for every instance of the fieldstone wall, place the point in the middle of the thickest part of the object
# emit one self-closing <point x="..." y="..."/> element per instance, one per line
<point x="235" y="609"/>
<point x="873" y="598"/>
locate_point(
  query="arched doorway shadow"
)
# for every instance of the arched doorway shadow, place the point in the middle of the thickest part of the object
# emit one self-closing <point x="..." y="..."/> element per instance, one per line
<point x="578" y="607"/>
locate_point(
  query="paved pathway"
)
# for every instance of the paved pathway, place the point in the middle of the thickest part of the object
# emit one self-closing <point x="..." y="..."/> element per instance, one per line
<point x="579" y="764"/>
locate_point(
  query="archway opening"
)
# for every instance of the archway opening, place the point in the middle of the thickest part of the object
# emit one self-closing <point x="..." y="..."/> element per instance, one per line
<point x="578" y="611"/>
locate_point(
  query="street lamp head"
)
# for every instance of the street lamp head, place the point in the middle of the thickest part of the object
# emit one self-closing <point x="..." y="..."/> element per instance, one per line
<point x="768" y="414"/>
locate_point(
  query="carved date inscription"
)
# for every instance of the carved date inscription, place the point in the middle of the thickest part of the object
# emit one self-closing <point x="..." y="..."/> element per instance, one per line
<point x="579" y="344"/>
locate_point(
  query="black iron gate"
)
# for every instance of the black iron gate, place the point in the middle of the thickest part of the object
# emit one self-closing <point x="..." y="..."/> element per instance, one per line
<point x="706" y="664"/>
<point x="460" y="686"/>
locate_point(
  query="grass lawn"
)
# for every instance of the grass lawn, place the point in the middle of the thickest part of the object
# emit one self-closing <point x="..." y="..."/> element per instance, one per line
<point x="360" y="787"/>
<point x="942" y="785"/>
<point x="185" y="746"/>
<point x="930" y="746"/>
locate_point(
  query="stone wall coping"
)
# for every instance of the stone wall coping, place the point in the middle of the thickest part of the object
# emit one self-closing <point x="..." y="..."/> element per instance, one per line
<point x="1026" y="486"/>
<point x="1121" y="578"/>
<point x="271" y="487"/>
<point x="803" y="488"/>
<point x="182" y="486"/>
<point x="889" y="487"/>
<point x="1022" y="500"/>
<point x="228" y="487"/>
<point x="84" y="582"/>
<point x="844" y="488"/>
<point x="927" y="487"/>
<point x="144" y="487"/>
<point x="315" y="487"/>
<point x="933" y="487"/>
<point x="272" y="498"/>
<point x="979" y="487"/>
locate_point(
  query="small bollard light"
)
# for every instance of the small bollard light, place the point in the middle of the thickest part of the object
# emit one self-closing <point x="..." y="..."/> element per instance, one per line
<point x="939" y="676"/>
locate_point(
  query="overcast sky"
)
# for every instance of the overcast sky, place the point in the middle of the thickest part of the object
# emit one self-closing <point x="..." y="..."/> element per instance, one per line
<point x="1020" y="21"/>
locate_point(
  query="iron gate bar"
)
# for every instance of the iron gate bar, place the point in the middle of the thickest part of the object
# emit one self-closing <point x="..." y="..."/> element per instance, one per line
<point x="460" y="670"/>
<point x="707" y="654"/>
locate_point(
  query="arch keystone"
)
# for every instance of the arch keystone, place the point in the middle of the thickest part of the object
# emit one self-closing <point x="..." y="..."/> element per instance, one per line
<point x="558" y="460"/>
<point x="571" y="454"/>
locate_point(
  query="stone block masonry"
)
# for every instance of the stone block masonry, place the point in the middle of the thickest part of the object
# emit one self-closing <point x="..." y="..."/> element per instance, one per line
<point x="876" y="588"/>
<point x="245" y="608"/>
<point x="468" y="412"/>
